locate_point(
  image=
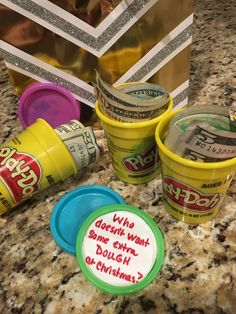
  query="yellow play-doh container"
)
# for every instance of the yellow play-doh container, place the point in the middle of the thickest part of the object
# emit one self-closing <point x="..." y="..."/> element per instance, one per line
<point x="132" y="147"/>
<point x="30" y="162"/>
<point x="192" y="191"/>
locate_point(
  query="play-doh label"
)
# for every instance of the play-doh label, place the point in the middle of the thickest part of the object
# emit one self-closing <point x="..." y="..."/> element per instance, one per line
<point x="188" y="197"/>
<point x="119" y="248"/>
<point x="20" y="173"/>
<point x="143" y="161"/>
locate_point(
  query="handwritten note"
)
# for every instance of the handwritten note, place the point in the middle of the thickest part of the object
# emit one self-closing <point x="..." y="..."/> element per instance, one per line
<point x="120" y="248"/>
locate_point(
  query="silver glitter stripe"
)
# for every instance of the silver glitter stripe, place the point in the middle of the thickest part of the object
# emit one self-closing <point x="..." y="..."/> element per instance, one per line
<point x="46" y="75"/>
<point x="180" y="97"/>
<point x="50" y="77"/>
<point x="121" y="21"/>
<point x="77" y="33"/>
<point x="161" y="55"/>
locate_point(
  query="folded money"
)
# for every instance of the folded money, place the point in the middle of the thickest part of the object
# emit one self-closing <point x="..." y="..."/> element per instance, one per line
<point x="68" y="127"/>
<point x="197" y="155"/>
<point x="127" y="114"/>
<point x="208" y="141"/>
<point x="203" y="134"/>
<point x="81" y="143"/>
<point x="131" y="102"/>
<point x="216" y="116"/>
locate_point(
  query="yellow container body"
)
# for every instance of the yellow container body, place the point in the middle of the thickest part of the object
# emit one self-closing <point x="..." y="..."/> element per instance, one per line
<point x="132" y="147"/>
<point x="32" y="161"/>
<point x="192" y="191"/>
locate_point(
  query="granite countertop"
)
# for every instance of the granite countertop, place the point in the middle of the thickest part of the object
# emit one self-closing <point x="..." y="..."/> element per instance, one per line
<point x="199" y="271"/>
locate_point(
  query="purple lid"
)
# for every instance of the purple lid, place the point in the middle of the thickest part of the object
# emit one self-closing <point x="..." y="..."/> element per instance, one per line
<point x="48" y="101"/>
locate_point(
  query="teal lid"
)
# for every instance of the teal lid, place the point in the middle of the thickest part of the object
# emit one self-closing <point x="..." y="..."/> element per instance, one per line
<point x="73" y="208"/>
<point x="120" y="249"/>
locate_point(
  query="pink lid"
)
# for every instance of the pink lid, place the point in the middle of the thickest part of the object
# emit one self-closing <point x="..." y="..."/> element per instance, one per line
<point x="53" y="103"/>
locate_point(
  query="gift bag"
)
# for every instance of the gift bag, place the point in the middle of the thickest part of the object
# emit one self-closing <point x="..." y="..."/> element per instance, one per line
<point x="65" y="41"/>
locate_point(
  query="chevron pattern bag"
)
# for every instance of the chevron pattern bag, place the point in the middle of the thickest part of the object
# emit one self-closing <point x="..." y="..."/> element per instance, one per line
<point x="65" y="41"/>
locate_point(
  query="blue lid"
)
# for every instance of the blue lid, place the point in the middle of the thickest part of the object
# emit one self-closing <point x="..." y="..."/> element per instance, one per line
<point x="72" y="210"/>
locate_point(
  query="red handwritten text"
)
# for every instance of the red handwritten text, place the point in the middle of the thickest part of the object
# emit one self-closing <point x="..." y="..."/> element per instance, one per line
<point x="109" y="228"/>
<point x="138" y="240"/>
<point x="123" y="246"/>
<point x="99" y="238"/>
<point x="114" y="272"/>
<point x="123" y="221"/>
<point x="119" y="258"/>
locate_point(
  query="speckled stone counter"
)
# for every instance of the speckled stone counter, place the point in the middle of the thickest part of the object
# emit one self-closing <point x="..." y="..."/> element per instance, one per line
<point x="199" y="271"/>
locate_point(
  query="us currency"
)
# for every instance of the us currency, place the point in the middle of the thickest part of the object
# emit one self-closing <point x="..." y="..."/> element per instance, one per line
<point x="217" y="121"/>
<point x="68" y="127"/>
<point x="197" y="155"/>
<point x="203" y="139"/>
<point x="154" y="95"/>
<point x="131" y="102"/>
<point x="213" y="143"/>
<point x="178" y="133"/>
<point x="216" y="116"/>
<point x="127" y="114"/>
<point x="82" y="145"/>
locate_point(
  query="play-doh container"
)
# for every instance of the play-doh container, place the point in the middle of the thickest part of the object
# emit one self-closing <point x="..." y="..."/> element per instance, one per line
<point x="32" y="161"/>
<point x="132" y="147"/>
<point x="192" y="191"/>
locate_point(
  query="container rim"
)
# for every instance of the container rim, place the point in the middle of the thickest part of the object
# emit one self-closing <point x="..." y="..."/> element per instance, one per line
<point x="133" y="125"/>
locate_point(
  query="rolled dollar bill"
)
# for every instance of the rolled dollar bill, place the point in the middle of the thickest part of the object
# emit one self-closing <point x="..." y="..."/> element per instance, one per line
<point x="213" y="143"/>
<point x="151" y="94"/>
<point x="216" y="116"/>
<point x="217" y="121"/>
<point x="68" y="127"/>
<point x="179" y="131"/>
<point x="83" y="147"/>
<point x="131" y="102"/>
<point x="201" y="136"/>
<point x="127" y="98"/>
<point x="81" y="143"/>
<point x="127" y="114"/>
<point x="197" y="155"/>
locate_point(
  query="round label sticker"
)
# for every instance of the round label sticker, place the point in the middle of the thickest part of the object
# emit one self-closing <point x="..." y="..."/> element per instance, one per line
<point x="119" y="247"/>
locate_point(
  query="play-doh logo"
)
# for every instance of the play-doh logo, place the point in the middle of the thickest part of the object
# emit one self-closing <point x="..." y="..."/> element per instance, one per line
<point x="187" y="197"/>
<point x="20" y="173"/>
<point x="143" y="161"/>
